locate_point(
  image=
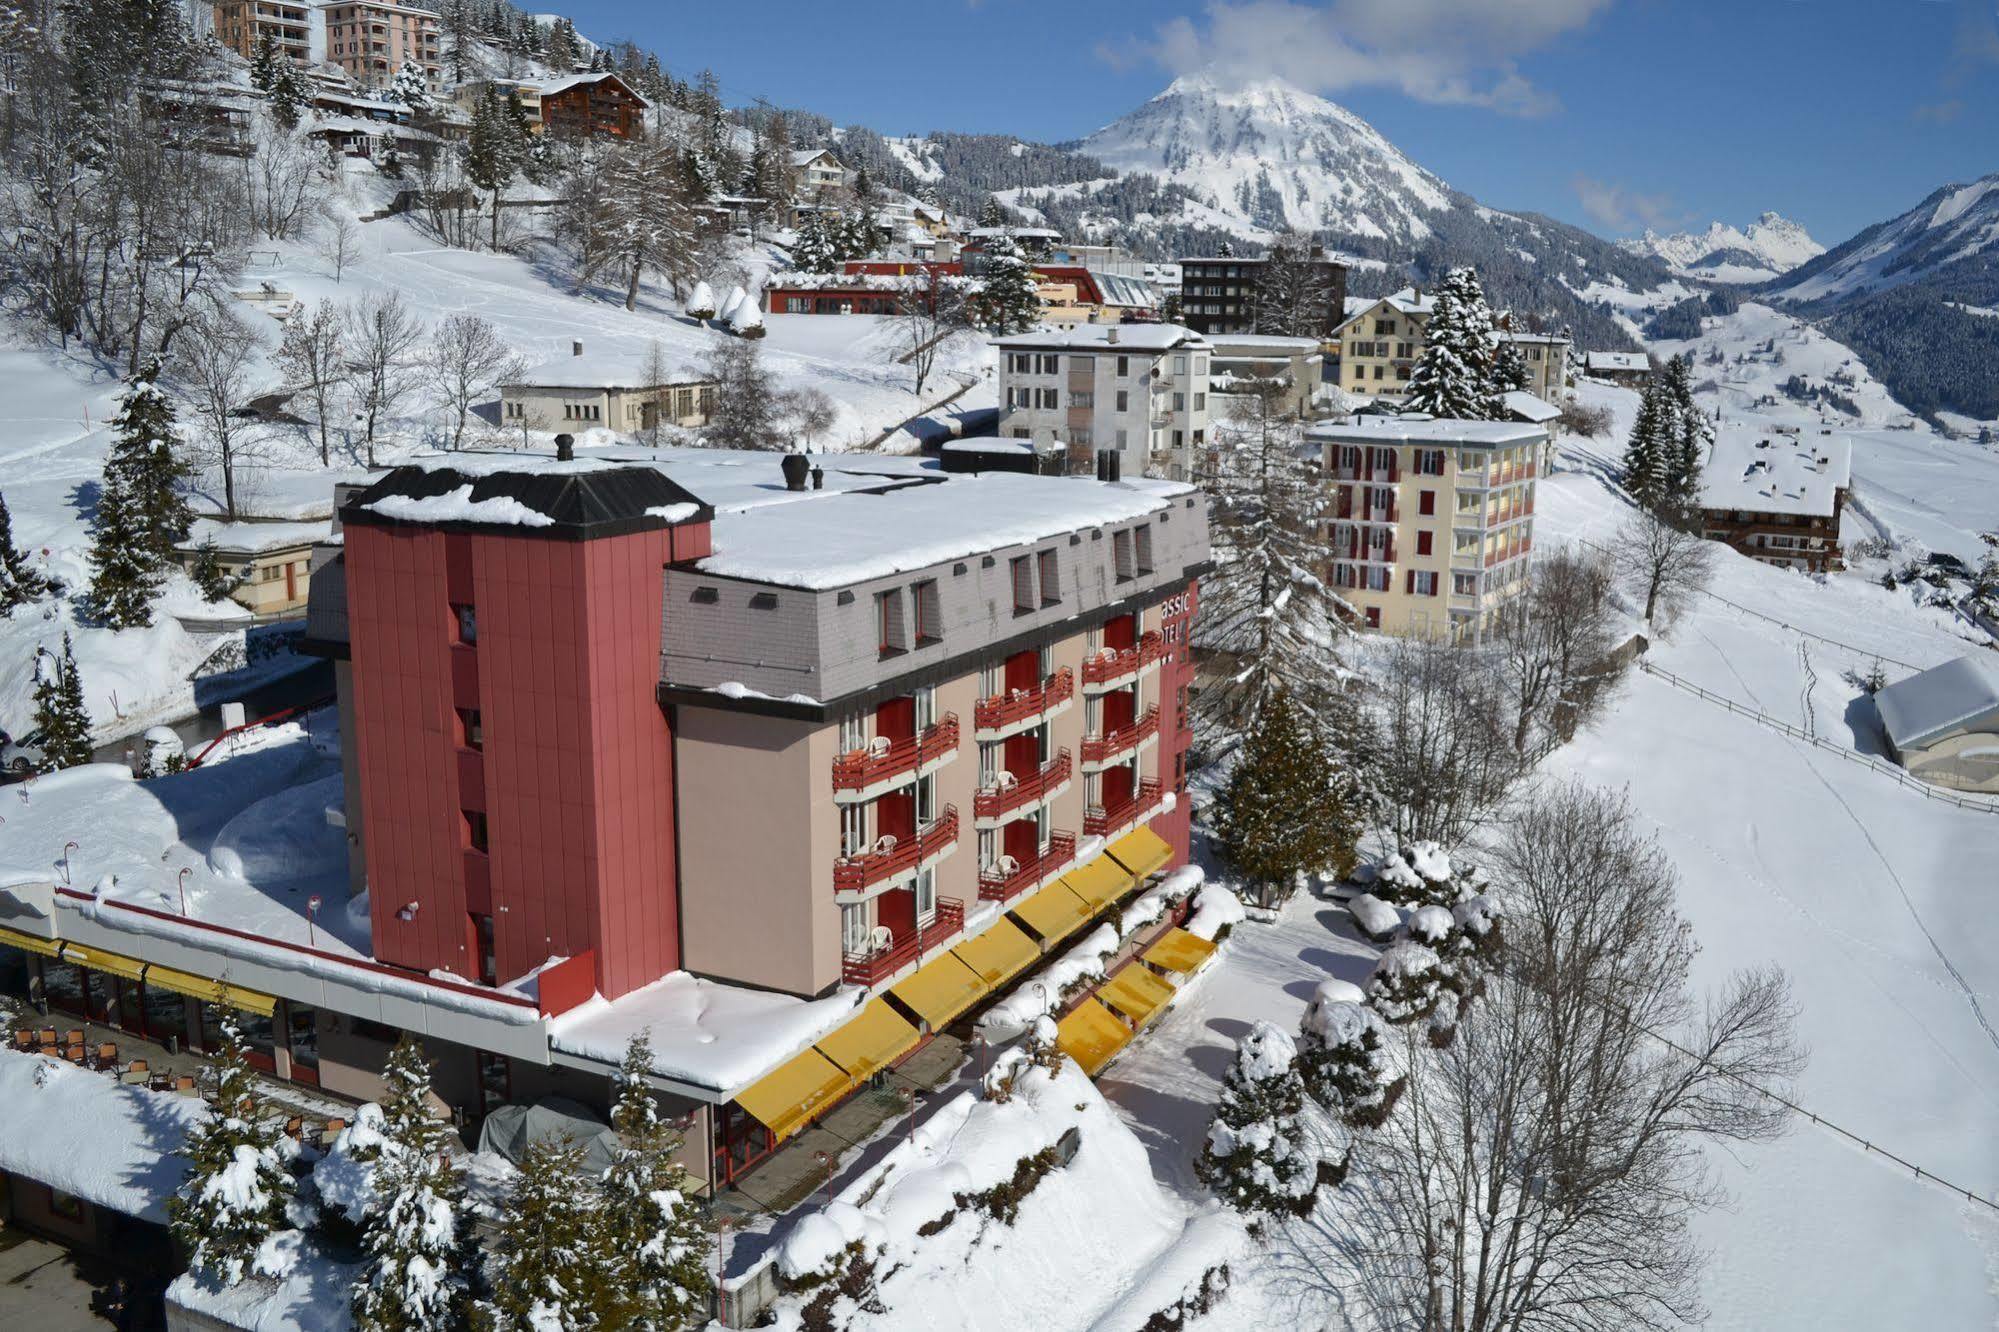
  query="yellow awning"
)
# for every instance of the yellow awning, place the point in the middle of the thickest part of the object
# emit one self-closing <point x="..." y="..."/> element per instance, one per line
<point x="1179" y="951"/>
<point x="31" y="943"/>
<point x="1053" y="913"/>
<point x="1001" y="952"/>
<point x="97" y="959"/>
<point x="1142" y="851"/>
<point x="1136" y="993"/>
<point x="182" y="982"/>
<point x="940" y="989"/>
<point x="1099" y="883"/>
<point x="249" y="1001"/>
<point x="1091" y="1035"/>
<point x="784" y="1099"/>
<point x="874" y="1040"/>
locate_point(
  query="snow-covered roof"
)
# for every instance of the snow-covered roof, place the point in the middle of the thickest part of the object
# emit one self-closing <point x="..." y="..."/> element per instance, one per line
<point x="840" y="539"/>
<point x="989" y="444"/>
<point x="250" y="538"/>
<point x="86" y="1134"/>
<point x="1927" y="706"/>
<point x="550" y="87"/>
<point x="1122" y="337"/>
<point x="599" y="369"/>
<point x="1530" y="408"/>
<point x="1247" y="344"/>
<point x="1543" y="339"/>
<point x="805" y="156"/>
<point x="1415" y="428"/>
<point x="1606" y="360"/>
<point x="1018" y="233"/>
<point x="1791" y="474"/>
<point x="1406" y="302"/>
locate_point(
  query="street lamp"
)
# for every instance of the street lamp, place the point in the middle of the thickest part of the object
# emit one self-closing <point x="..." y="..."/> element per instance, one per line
<point x="182" y="876"/>
<point x="311" y="909"/>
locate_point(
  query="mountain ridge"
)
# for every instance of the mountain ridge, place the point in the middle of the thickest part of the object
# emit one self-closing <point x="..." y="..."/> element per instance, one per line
<point x="1768" y="247"/>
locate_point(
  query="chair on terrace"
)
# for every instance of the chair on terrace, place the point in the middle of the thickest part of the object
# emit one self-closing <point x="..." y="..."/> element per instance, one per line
<point x="24" y="1039"/>
<point x="136" y="1074"/>
<point x="334" y="1128"/>
<point x="107" y="1055"/>
<point x="184" y="1084"/>
<point x="45" y="1038"/>
<point x="295" y="1127"/>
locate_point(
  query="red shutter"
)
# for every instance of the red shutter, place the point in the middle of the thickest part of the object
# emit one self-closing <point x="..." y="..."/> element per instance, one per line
<point x="1426" y="503"/>
<point x="1409" y="580"/>
<point x="1423" y="543"/>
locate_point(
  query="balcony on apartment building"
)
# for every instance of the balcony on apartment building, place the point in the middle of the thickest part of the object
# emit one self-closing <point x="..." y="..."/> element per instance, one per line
<point x="1012" y="711"/>
<point x="1111" y="668"/>
<point x="1012" y="794"/>
<point x="1377" y="551"/>
<point x="1009" y="876"/>
<point x="1114" y="817"/>
<point x="1120" y="742"/>
<point x="885" y="763"/>
<point x="898" y="950"/>
<point x="894" y="860"/>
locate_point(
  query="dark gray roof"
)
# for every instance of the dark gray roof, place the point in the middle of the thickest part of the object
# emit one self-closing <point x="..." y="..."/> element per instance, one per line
<point x="579" y="502"/>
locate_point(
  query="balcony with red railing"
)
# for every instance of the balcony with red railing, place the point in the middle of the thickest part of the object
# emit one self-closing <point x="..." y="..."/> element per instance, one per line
<point x="1110" y="820"/>
<point x="1016" y="708"/>
<point x="1111" y="666"/>
<point x="1015" y="793"/>
<point x="885" y="763"/>
<point x="1120" y="741"/>
<point x="1009" y="878"/>
<point x="877" y="965"/>
<point x="894" y="857"/>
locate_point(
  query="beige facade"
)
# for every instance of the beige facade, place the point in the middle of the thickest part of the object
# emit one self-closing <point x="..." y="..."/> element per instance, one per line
<point x="1546" y="356"/>
<point x="1434" y="520"/>
<point x="1140" y="390"/>
<point x="372" y="39"/>
<point x="1378" y="347"/>
<point x="242" y="25"/>
<point x="573" y="407"/>
<point x="270" y="563"/>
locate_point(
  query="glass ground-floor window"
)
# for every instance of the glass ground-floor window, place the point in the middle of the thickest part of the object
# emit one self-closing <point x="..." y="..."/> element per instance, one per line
<point x="165" y="1015"/>
<point x="302" y="1041"/>
<point x="496" y="1081"/>
<point x="259" y="1034"/>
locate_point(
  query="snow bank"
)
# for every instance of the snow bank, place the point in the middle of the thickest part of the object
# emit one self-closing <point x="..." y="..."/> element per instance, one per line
<point x="1377" y="919"/>
<point x="1213" y="909"/>
<point x="458" y="506"/>
<point x="1081" y="963"/>
<point x="84" y="1133"/>
<point x="283" y="837"/>
<point x="313" y="1295"/>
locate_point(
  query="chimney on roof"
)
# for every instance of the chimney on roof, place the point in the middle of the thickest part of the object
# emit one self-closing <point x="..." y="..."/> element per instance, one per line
<point x="795" y="468"/>
<point x="576" y="347"/>
<point x="565" y="448"/>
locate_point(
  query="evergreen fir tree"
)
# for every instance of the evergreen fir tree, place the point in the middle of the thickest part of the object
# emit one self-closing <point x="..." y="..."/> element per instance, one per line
<point x="1645" y="454"/>
<point x="1279" y="816"/>
<point x="1006" y="298"/>
<point x="813" y="251"/>
<point x="206" y="570"/>
<point x="289" y="93"/>
<point x="264" y="63"/>
<point x="1226" y="250"/>
<point x="141" y="513"/>
<point x="233" y="1203"/>
<point x="417" y="1238"/>
<point x="991" y="214"/>
<point x="20" y="583"/>
<point x="124" y="575"/>
<point x="1686" y="443"/>
<point x="1509" y="368"/>
<point x="60" y="714"/>
<point x="551" y="1271"/>
<point x="412" y="89"/>
<point x="651" y="1226"/>
<point x="1453" y="377"/>
<point x="1255" y="1157"/>
<point x="1343" y="1061"/>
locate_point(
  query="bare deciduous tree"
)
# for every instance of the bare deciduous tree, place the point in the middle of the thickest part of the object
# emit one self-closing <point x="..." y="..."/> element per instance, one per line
<point x="470" y="361"/>
<point x="1446" y="754"/>
<point x="926" y="313"/>
<point x="339" y="241"/>
<point x="214" y="361"/>
<point x="382" y="337"/>
<point x="1542" y="1171"/>
<point x="1552" y="642"/>
<point x="279" y="174"/>
<point x="313" y="362"/>
<point x="1662" y="565"/>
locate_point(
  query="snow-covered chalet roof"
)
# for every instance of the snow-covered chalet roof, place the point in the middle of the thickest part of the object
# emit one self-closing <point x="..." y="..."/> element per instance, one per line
<point x="1617" y="361"/>
<point x="806" y="156"/>
<point x="1543" y="339"/>
<point x="597" y="369"/>
<point x="1406" y="302"/>
<point x="1108" y="337"/>
<point x="1530" y="408"/>
<point x="1790" y="474"/>
<point x="1249" y="344"/>
<point x="252" y="538"/>
<point x="1941" y="699"/>
<point x="551" y="87"/>
<point x="1415" y="428"/>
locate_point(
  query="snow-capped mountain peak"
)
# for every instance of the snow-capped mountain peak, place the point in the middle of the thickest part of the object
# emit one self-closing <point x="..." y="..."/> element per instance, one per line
<point x="1263" y="155"/>
<point x="1770" y="245"/>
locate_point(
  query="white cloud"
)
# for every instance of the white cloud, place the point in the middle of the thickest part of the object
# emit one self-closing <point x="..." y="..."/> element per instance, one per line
<point x="1619" y="209"/>
<point x="1446" y="51"/>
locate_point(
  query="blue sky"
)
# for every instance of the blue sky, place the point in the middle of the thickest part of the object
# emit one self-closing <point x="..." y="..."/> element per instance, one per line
<point x="1613" y="114"/>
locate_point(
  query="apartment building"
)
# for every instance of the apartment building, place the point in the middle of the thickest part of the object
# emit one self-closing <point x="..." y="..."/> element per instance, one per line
<point x="372" y="39"/>
<point x="819" y="174"/>
<point x="468" y="96"/>
<point x="1378" y="346"/>
<point x="590" y="104"/>
<point x="1218" y="294"/>
<point x="1433" y="519"/>
<point x="1546" y="356"/>
<point x="242" y="26"/>
<point x="1138" y="392"/>
<point x="1778" y="497"/>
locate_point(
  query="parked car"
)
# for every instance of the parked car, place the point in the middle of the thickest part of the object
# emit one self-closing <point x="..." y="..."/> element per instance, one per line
<point x="20" y="757"/>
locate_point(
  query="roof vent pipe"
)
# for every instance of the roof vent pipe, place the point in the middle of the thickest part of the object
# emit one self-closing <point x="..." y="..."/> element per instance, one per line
<point x="795" y="469"/>
<point x="565" y="448"/>
<point x="1110" y="335"/>
<point x="818" y="478"/>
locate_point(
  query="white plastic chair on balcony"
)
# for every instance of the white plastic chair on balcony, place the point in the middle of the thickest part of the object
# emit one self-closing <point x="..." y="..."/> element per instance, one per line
<point x="1007" y="867"/>
<point x="880" y="939"/>
<point x="1004" y="780"/>
<point x="884" y="844"/>
<point x="879" y="747"/>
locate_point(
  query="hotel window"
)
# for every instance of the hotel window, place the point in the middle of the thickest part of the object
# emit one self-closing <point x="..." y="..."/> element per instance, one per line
<point x="929" y="612"/>
<point x="1423" y="542"/>
<point x="1082" y="399"/>
<point x="1051" y="578"/>
<point x="926" y="894"/>
<point x="467" y="618"/>
<point x="1123" y="400"/>
<point x="1142" y="542"/>
<point x="1121" y="553"/>
<point x="1426" y="503"/>
<point x="1464" y="585"/>
<point x="889" y="628"/>
<point x="475" y="828"/>
<point x="853" y="829"/>
<point x="1123" y="369"/>
<point x="1423" y="582"/>
<point x="1022" y="570"/>
<point x="471" y="732"/>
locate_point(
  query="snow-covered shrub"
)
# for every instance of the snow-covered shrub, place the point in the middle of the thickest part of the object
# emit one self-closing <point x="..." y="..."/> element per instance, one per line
<point x="1209" y="1292"/>
<point x="1478" y="920"/>
<point x="1343" y="1057"/>
<point x="1377" y="920"/>
<point x="235" y="1200"/>
<point x="1255" y="1156"/>
<point x="1002" y="1201"/>
<point x="701" y="304"/>
<point x="1216" y="912"/>
<point x="747" y="319"/>
<point x="1406" y="983"/>
<point x="1414" y="876"/>
<point x="1037" y="1050"/>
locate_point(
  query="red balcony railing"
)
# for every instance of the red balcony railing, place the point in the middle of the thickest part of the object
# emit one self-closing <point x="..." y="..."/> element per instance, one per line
<point x="1109" y="665"/>
<point x="1003" y="798"/>
<point x="872" y="968"/>
<point x="853" y="874"/>
<point x="990" y="714"/>
<point x="999" y="884"/>
<point x="1108" y="820"/>
<point x="1101" y="748"/>
<point x="880" y="762"/>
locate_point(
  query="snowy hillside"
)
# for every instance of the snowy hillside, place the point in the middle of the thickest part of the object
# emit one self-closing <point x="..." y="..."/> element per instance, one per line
<point x="1769" y="246"/>
<point x="1270" y="156"/>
